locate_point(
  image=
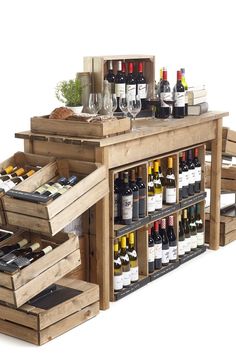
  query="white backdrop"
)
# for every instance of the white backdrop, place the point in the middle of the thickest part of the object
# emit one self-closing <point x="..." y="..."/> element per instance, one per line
<point x="43" y="42"/>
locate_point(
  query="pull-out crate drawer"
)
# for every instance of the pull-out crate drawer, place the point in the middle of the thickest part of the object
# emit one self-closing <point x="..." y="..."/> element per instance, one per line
<point x="68" y="303"/>
<point x="17" y="287"/>
<point x="51" y="217"/>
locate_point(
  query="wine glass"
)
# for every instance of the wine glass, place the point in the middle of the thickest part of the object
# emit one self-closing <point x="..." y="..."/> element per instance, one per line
<point x="95" y="102"/>
<point x="114" y="102"/>
<point x="134" y="106"/>
<point x="123" y="104"/>
<point x="107" y="105"/>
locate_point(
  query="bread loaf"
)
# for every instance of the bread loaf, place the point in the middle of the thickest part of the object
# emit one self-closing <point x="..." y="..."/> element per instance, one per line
<point x="61" y="113"/>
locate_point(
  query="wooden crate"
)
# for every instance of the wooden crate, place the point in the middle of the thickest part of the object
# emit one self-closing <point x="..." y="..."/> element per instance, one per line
<point x="52" y="217"/>
<point x="27" y="161"/>
<point x="227" y="229"/>
<point x="18" y="287"/>
<point x="80" y="129"/>
<point x="228" y="142"/>
<point x="38" y="326"/>
<point x="228" y="177"/>
<point x="82" y="271"/>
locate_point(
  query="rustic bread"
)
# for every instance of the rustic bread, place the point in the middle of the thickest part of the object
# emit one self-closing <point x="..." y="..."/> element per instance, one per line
<point x="61" y="113"/>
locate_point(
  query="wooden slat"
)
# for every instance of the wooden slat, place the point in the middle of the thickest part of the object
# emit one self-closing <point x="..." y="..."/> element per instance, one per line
<point x="18" y="331"/>
<point x="19" y="317"/>
<point x="229" y="134"/>
<point x="7" y="295"/>
<point x="142" y="249"/>
<point x="229" y="147"/>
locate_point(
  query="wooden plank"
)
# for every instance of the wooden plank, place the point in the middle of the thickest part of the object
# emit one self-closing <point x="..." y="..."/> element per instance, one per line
<point x="19" y="317"/>
<point x="229" y="134"/>
<point x="216" y="148"/>
<point x="142" y="250"/>
<point x="7" y="295"/>
<point x="229" y="147"/>
<point x="18" y="331"/>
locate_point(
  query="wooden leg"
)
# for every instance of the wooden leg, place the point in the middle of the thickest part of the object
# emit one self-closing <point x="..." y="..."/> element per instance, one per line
<point x="216" y="148"/>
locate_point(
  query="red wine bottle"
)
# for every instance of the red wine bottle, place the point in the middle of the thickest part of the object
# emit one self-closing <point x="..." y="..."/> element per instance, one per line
<point x="135" y="191"/>
<point x="180" y="180"/>
<point x="127" y="201"/>
<point x="120" y="83"/>
<point x="185" y="177"/>
<point x="151" y="255"/>
<point x="186" y="232"/>
<point x="131" y="82"/>
<point x="165" y="96"/>
<point x="157" y="246"/>
<point x="186" y="91"/>
<point x="110" y="76"/>
<point x="179" y="97"/>
<point x="181" y="241"/>
<point x="172" y="240"/>
<point x="142" y="195"/>
<point x="10" y="248"/>
<point x="191" y="173"/>
<point x="165" y="243"/>
<point x="141" y="85"/>
<point x="198" y="172"/>
<point x="124" y="69"/>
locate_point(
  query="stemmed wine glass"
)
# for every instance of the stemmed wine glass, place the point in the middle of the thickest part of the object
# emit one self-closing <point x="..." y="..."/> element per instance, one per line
<point x="110" y="104"/>
<point x="95" y="102"/>
<point x="134" y="107"/>
<point x="123" y="104"/>
<point x="114" y="102"/>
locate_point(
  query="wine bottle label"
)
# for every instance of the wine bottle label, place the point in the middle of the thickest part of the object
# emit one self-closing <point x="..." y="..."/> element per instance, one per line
<point x="132" y="254"/>
<point x="119" y="89"/>
<point x="200" y="238"/>
<point x="185" y="181"/>
<point x="186" y="97"/>
<point x="142" y="201"/>
<point x="170" y="195"/>
<point x="135" y="205"/>
<point x="125" y="258"/>
<point x="64" y="189"/>
<point x="127" y="206"/>
<point x="165" y="97"/>
<point x="180" y="181"/>
<point x="52" y="189"/>
<point x="42" y="189"/>
<point x="151" y="203"/>
<point x="151" y="254"/>
<point x="142" y="90"/>
<point x="8" y="185"/>
<point x="172" y="253"/>
<point x="116" y="202"/>
<point x="158" y="201"/>
<point x="165" y="256"/>
<point x="131" y="91"/>
<point x="198" y="174"/>
<point x="179" y="98"/>
<point x="191" y="176"/>
<point x="193" y="241"/>
<point x="158" y="251"/>
<point x="134" y="274"/>
<point x="170" y="176"/>
<point x="181" y="248"/>
<point x="117" y="262"/>
<point x="118" y="282"/>
<point x="126" y="278"/>
<point x="187" y="244"/>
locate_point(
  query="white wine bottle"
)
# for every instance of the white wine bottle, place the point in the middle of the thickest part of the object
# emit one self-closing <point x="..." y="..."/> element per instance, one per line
<point x="157" y="187"/>
<point x="118" y="276"/>
<point x="170" y="183"/>
<point x="151" y="193"/>
<point x="133" y="258"/>
<point x="125" y="263"/>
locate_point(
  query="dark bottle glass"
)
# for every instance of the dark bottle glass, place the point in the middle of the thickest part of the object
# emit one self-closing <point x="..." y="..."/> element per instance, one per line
<point x="200" y="227"/>
<point x="135" y="191"/>
<point x="131" y="82"/>
<point x="181" y="241"/>
<point x="24" y="261"/>
<point x="53" y="189"/>
<point x="185" y="177"/>
<point x="120" y="186"/>
<point x="151" y="192"/>
<point x="179" y="98"/>
<point x="9" y="258"/>
<point x="165" y="243"/>
<point x="193" y="228"/>
<point x="142" y="195"/>
<point x="186" y="90"/>
<point x="73" y="180"/>
<point x="110" y="76"/>
<point x="120" y="83"/>
<point x="117" y="277"/>
<point x="151" y="254"/>
<point x="198" y="172"/>
<point x="157" y="246"/>
<point x="124" y="69"/>
<point x="116" y="200"/>
<point x="172" y="240"/>
<point x="180" y="180"/>
<point x="141" y="85"/>
<point x="126" y="201"/>
<point x="165" y="97"/>
<point x="4" y="234"/>
<point x="18" y="172"/>
<point x="191" y="173"/>
<point x="186" y="232"/>
<point x="10" y="248"/>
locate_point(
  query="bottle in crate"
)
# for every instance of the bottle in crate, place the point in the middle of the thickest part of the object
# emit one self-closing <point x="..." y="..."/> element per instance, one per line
<point x="118" y="276"/>
<point x="157" y="186"/>
<point x="198" y="172"/>
<point x="151" y="255"/>
<point x="151" y="192"/>
<point x="185" y="176"/>
<point x="191" y="173"/>
<point x="181" y="241"/>
<point x="170" y="183"/>
<point x="200" y="227"/>
<point x="135" y="190"/>
<point x="126" y="201"/>
<point x="193" y="228"/>
<point x="125" y="263"/>
<point x="186" y="232"/>
<point x="157" y="246"/>
<point x="165" y="243"/>
<point x="133" y="258"/>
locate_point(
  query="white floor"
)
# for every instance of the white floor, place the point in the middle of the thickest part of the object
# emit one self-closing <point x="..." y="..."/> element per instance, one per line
<point x="190" y="310"/>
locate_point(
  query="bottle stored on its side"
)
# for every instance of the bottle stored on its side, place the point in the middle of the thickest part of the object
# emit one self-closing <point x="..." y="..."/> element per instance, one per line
<point x="141" y="85"/>
<point x="40" y="190"/>
<point x="5" y="178"/>
<point x="193" y="229"/>
<point x="120" y="83"/>
<point x="110" y="77"/>
<point x="200" y="228"/>
<point x="54" y="188"/>
<point x="179" y="98"/>
<point x="151" y="254"/>
<point x="157" y="246"/>
<point x="172" y="240"/>
<point x="131" y="82"/>
<point x="157" y="187"/>
<point x="116" y="200"/>
<point x="198" y="172"/>
<point x="165" y="243"/>
<point x="24" y="261"/>
<point x="126" y="201"/>
<point x="6" y="171"/>
<point x="10" y="248"/>
<point x="181" y="241"/>
<point x="165" y="96"/>
<point x="191" y="173"/>
<point x="125" y="263"/>
<point x="186" y="232"/>
<point x="72" y="181"/>
<point x="133" y="259"/>
<point x="118" y="276"/>
<point x="10" y="257"/>
<point x="183" y="80"/>
<point x="151" y="192"/>
<point x="4" y="234"/>
<point x="135" y="190"/>
<point x="185" y="177"/>
<point x="180" y="181"/>
<point x="170" y="183"/>
<point x="142" y="194"/>
<point x="16" y="180"/>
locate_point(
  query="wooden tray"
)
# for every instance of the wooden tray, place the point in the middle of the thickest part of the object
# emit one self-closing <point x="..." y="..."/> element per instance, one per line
<point x="79" y="129"/>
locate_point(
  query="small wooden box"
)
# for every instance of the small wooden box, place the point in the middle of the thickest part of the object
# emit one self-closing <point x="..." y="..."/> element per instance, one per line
<point x="75" y="128"/>
<point x="52" y="217"/>
<point x="17" y="288"/>
<point x="38" y="326"/>
<point x="228" y="177"/>
<point x="228" y="142"/>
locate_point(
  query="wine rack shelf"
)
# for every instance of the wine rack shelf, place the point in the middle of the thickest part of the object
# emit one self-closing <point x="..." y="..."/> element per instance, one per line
<point x="144" y="280"/>
<point x="192" y="254"/>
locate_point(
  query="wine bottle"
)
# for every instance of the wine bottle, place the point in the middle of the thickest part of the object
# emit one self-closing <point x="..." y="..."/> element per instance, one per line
<point x="125" y="263"/>
<point x="180" y="180"/>
<point x="142" y="194"/>
<point x="71" y="181"/>
<point x="124" y="69"/>
<point x="157" y="186"/>
<point x="120" y="186"/>
<point x="7" y="170"/>
<point x="183" y="80"/>
<point x="181" y="241"/>
<point x="200" y="227"/>
<point x="24" y="261"/>
<point x="127" y="201"/>
<point x="54" y="188"/>
<point x="179" y="98"/>
<point x="157" y="94"/>
<point x="170" y="183"/>
<point x="185" y="177"/>
<point x="16" y="180"/>
<point x="159" y="82"/>
<point x="110" y="76"/>
<point x="135" y="191"/>
<point x="116" y="199"/>
<point x="186" y="232"/>
<point x="162" y="178"/>
<point x="18" y="172"/>
<point x="118" y="276"/>
<point x="4" y="234"/>
<point x="133" y="259"/>
<point x="198" y="172"/>
<point x="151" y="193"/>
<point x="165" y="243"/>
<point x="151" y="252"/>
<point x="10" y="257"/>
<point x="131" y="82"/>
<point x="191" y="173"/>
<point x="193" y="229"/>
<point x="157" y="246"/>
<point x="172" y="240"/>
<point x="165" y="97"/>
<point x="9" y="248"/>
<point x="141" y="85"/>
<point x="40" y="190"/>
<point x="120" y="83"/>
